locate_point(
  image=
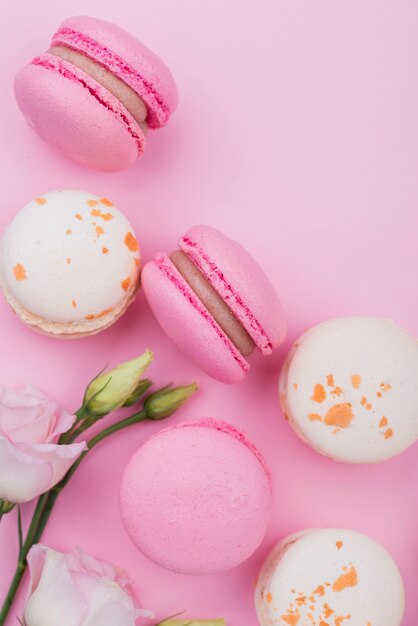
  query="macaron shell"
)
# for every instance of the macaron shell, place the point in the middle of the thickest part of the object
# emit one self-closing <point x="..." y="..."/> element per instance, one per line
<point x="240" y="281"/>
<point x="128" y="58"/>
<point x="349" y="388"/>
<point x="330" y="574"/>
<point x="185" y="320"/>
<point x="70" y="259"/>
<point x="196" y="499"/>
<point x="75" y="114"/>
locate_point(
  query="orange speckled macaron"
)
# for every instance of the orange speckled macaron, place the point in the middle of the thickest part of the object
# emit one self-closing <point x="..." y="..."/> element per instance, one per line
<point x="329" y="577"/>
<point x="349" y="388"/>
<point x="69" y="264"/>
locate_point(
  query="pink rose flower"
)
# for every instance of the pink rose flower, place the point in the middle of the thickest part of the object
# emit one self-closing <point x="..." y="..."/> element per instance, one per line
<point x="76" y="589"/>
<point x="30" y="460"/>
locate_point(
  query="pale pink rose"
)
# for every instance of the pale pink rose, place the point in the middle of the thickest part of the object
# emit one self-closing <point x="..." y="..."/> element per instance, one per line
<point x="30" y="460"/>
<point x="76" y="589"/>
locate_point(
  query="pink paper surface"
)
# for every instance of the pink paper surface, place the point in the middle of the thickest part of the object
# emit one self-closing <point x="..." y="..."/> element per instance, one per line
<point x="297" y="134"/>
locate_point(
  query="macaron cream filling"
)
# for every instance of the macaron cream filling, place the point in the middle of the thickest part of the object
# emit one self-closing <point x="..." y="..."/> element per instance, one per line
<point x="209" y="297"/>
<point x="224" y="287"/>
<point x="148" y="86"/>
<point x="115" y="85"/>
<point x="57" y="65"/>
<point x="168" y="269"/>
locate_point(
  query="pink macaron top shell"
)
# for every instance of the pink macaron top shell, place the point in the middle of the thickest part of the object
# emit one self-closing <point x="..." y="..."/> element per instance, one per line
<point x="127" y="58"/>
<point x="241" y="283"/>
<point x="188" y="323"/>
<point x="196" y="498"/>
<point x="60" y="101"/>
<point x="229" y="429"/>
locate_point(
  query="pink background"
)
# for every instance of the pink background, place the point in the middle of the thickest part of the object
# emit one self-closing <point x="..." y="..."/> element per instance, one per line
<point x="297" y="133"/>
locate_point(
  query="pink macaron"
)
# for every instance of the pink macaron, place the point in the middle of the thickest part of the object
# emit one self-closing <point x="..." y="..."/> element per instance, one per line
<point x="196" y="497"/>
<point x="215" y="302"/>
<point x="95" y="92"/>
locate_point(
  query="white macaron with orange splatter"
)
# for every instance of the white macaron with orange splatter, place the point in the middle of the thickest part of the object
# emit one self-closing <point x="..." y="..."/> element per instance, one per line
<point x="349" y="388"/>
<point x="69" y="263"/>
<point x="329" y="577"/>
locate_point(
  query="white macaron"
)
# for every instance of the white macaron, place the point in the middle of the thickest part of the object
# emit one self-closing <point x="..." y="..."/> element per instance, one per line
<point x="69" y="263"/>
<point x="349" y="388"/>
<point x="329" y="577"/>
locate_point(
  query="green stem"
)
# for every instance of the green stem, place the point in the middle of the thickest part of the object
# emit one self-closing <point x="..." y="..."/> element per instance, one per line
<point x="81" y="413"/>
<point x="74" y="433"/>
<point x="19" y="529"/>
<point x="128" y="421"/>
<point x="45" y="505"/>
<point x="21" y="564"/>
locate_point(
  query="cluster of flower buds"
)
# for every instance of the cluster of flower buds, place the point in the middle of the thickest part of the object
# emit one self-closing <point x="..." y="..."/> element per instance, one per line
<point x="124" y="386"/>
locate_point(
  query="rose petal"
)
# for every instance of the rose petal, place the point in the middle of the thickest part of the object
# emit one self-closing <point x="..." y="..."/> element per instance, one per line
<point x="55" y="599"/>
<point x="26" y="397"/>
<point x="111" y="614"/>
<point x="36" y="562"/>
<point x="108" y="603"/>
<point x="17" y="408"/>
<point x="27" y="471"/>
<point x="29" y="416"/>
<point x="22" y="477"/>
<point x="61" y="458"/>
<point x="35" y="431"/>
<point x="63" y="422"/>
<point x="84" y="562"/>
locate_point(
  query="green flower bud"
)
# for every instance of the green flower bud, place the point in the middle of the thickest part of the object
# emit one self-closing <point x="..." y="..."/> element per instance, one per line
<point x="166" y="401"/>
<point x="142" y="388"/>
<point x="110" y="390"/>
<point x="5" y="506"/>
